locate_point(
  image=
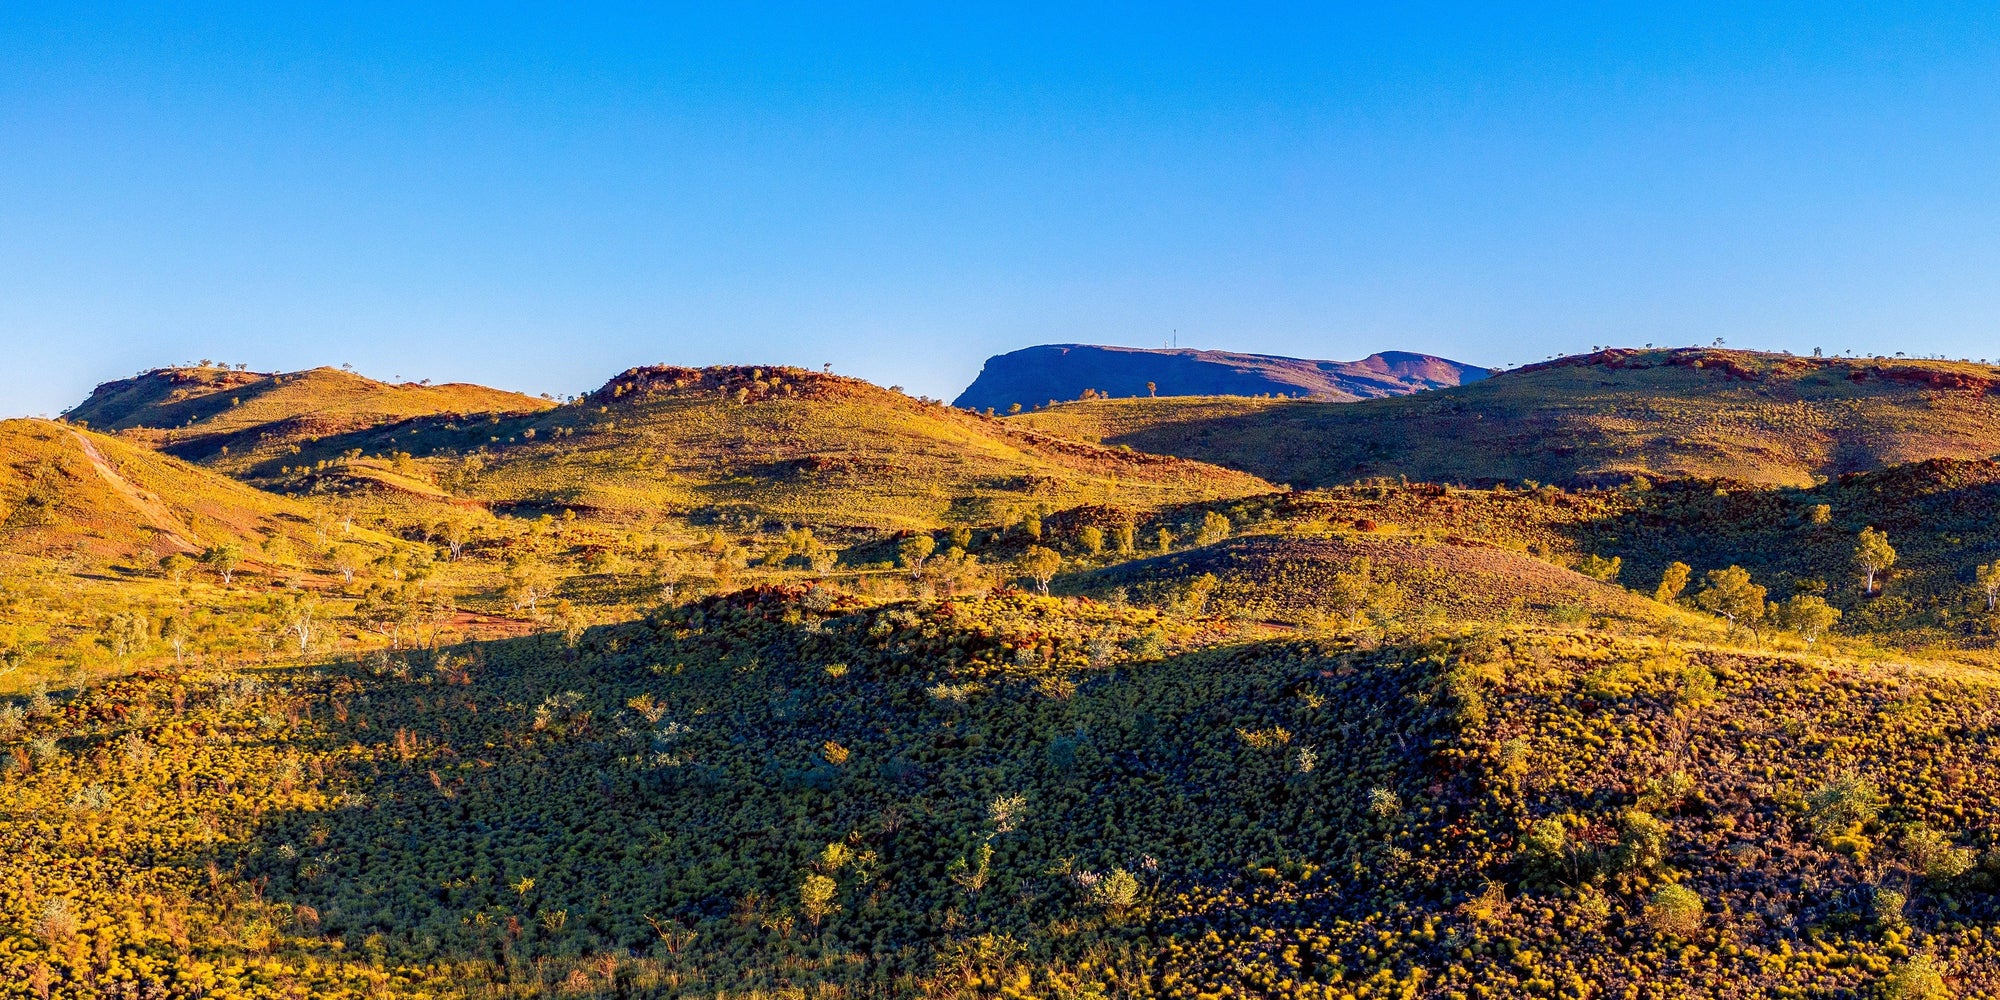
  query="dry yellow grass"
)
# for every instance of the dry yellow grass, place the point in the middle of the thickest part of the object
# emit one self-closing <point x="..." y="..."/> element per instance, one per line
<point x="68" y="491"/>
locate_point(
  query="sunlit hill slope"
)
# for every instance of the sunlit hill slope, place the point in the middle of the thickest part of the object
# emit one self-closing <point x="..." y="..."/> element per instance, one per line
<point x="778" y="442"/>
<point x="68" y="491"/>
<point x="1604" y="417"/>
<point x="233" y="419"/>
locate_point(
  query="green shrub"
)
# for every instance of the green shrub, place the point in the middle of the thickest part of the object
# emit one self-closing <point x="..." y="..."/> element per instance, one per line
<point x="1674" y="910"/>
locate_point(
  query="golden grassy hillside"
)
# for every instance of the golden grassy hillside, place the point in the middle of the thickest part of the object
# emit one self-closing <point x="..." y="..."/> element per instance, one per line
<point x="1610" y="416"/>
<point x="232" y="419"/>
<point x="65" y="491"/>
<point x="102" y="567"/>
<point x="756" y="443"/>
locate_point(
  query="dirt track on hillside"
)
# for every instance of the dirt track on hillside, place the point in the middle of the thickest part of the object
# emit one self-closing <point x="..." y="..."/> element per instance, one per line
<point x="148" y="507"/>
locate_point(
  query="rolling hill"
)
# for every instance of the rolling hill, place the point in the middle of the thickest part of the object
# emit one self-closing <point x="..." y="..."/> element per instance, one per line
<point x="1034" y="376"/>
<point x="66" y="491"/>
<point x="757" y="443"/>
<point x="1599" y="418"/>
<point x="233" y="419"/>
<point x="1383" y="738"/>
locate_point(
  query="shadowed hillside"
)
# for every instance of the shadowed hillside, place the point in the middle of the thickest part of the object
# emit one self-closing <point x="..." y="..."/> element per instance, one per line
<point x="232" y="419"/>
<point x="787" y="793"/>
<point x="1033" y="376"/>
<point x="1605" y="417"/>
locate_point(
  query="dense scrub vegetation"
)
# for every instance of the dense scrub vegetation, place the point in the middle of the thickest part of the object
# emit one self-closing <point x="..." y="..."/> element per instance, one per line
<point x="1013" y="795"/>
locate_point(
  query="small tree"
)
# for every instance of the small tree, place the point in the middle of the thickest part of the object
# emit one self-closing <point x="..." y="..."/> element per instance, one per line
<point x="1809" y="615"/>
<point x="455" y="531"/>
<point x="176" y="633"/>
<point x="528" y="581"/>
<point x="126" y="632"/>
<point x="1122" y="538"/>
<point x="914" y="550"/>
<point x="1729" y="593"/>
<point x="1988" y="576"/>
<point x="816" y="897"/>
<point x="386" y="611"/>
<point x="1674" y="910"/>
<point x="1697" y="687"/>
<point x="1091" y="537"/>
<point x="1932" y="855"/>
<point x="1194" y="597"/>
<point x="1673" y="583"/>
<point x="1355" y="593"/>
<point x="1005" y="812"/>
<point x="1874" y="556"/>
<point x="1920" y="978"/>
<point x="346" y="559"/>
<point x="175" y="566"/>
<point x="1116" y="893"/>
<point x="1846" y="802"/>
<point x="298" y="613"/>
<point x="223" y="559"/>
<point x="1599" y="568"/>
<point x="571" y="621"/>
<point x="1214" y="528"/>
<point x="1040" y="565"/>
<point x="973" y="872"/>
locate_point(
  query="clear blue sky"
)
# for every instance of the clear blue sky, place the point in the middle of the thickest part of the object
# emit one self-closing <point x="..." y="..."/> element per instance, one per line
<point x="537" y="198"/>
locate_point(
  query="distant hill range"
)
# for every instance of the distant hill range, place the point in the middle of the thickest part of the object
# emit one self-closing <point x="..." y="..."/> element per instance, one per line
<point x="1035" y="375"/>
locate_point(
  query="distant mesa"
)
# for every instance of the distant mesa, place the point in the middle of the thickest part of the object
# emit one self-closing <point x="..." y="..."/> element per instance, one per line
<point x="1035" y="375"/>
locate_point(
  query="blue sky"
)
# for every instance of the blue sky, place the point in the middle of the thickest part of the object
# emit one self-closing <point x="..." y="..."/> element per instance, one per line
<point x="539" y="197"/>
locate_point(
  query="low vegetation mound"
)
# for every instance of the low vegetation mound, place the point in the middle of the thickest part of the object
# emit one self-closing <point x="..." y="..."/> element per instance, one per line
<point x="1357" y="576"/>
<point x="1606" y="417"/>
<point x="1035" y="375"/>
<point x="231" y="419"/>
